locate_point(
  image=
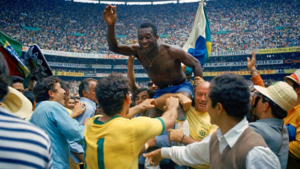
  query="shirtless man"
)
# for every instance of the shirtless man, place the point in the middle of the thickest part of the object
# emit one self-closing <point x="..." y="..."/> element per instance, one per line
<point x="162" y="62"/>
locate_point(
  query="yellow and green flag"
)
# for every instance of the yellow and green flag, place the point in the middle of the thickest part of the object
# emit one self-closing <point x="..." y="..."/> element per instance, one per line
<point x="12" y="50"/>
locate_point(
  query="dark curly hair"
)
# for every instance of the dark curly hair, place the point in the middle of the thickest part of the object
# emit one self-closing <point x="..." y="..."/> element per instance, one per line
<point x="16" y="79"/>
<point x="111" y="92"/>
<point x="42" y="87"/>
<point x="232" y="92"/>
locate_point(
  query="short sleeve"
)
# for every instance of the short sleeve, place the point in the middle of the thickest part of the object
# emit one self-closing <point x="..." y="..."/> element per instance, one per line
<point x="146" y="128"/>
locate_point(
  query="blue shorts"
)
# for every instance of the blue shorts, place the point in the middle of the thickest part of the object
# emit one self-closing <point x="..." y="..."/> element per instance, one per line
<point x="183" y="87"/>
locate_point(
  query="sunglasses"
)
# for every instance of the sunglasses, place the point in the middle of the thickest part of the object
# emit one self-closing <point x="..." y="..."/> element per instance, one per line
<point x="150" y="84"/>
<point x="256" y="94"/>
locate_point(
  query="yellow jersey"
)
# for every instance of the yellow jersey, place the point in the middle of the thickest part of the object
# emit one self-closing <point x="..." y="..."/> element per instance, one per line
<point x="200" y="127"/>
<point x="293" y="118"/>
<point x="199" y="124"/>
<point x="117" y="142"/>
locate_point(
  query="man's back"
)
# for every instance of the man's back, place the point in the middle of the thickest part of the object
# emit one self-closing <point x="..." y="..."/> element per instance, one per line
<point x="22" y="145"/>
<point x="270" y="130"/>
<point x="117" y="142"/>
<point x="54" y="119"/>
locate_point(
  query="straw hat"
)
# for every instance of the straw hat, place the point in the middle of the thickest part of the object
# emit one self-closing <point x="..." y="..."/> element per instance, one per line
<point x="281" y="93"/>
<point x="17" y="103"/>
<point x="294" y="77"/>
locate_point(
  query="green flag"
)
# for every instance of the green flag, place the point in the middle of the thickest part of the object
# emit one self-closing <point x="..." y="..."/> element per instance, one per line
<point x="12" y="50"/>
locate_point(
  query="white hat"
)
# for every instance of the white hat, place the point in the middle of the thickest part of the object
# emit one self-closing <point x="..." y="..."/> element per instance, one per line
<point x="294" y="77"/>
<point x="17" y="103"/>
<point x="281" y="93"/>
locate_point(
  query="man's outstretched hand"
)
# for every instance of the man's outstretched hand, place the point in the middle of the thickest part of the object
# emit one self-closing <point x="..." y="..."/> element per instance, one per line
<point x="154" y="157"/>
<point x="147" y="104"/>
<point x="110" y="14"/>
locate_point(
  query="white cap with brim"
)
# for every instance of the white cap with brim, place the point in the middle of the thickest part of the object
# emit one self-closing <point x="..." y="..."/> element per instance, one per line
<point x="17" y="103"/>
<point x="281" y="93"/>
<point x="294" y="77"/>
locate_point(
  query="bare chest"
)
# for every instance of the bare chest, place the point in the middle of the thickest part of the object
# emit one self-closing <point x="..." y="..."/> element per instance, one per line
<point x="161" y="64"/>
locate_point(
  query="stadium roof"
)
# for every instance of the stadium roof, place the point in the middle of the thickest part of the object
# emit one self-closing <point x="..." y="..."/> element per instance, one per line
<point x="135" y="2"/>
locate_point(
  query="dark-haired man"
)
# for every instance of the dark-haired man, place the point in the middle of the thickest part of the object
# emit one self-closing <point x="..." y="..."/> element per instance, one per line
<point x="234" y="144"/>
<point x="112" y="140"/>
<point x="17" y="83"/>
<point x="271" y="106"/>
<point x="142" y="94"/>
<point x="162" y="62"/>
<point x="53" y="118"/>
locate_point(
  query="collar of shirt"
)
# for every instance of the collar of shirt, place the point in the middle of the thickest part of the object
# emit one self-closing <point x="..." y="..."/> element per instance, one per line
<point x="272" y="121"/>
<point x="86" y="100"/>
<point x="294" y="109"/>
<point x="232" y="135"/>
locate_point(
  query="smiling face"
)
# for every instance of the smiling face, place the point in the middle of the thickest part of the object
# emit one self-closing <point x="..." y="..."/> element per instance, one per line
<point x="200" y="97"/>
<point x="58" y="94"/>
<point x="146" y="39"/>
<point x="71" y="104"/>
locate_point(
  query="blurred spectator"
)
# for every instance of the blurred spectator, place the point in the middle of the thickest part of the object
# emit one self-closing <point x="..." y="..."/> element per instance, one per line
<point x="17" y="83"/>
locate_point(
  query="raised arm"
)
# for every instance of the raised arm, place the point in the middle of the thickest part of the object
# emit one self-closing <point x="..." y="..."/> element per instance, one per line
<point x="188" y="60"/>
<point x="130" y="74"/>
<point x="256" y="78"/>
<point x="110" y="17"/>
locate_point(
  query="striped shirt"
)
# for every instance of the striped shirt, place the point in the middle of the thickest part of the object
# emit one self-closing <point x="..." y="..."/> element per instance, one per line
<point x="22" y="145"/>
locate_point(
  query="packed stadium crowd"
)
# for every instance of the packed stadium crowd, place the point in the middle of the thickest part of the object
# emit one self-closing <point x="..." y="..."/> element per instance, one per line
<point x="235" y="25"/>
<point x="173" y="120"/>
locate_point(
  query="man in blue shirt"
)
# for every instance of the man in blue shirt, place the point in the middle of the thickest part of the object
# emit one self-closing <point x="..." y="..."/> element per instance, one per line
<point x="88" y="97"/>
<point x="53" y="118"/>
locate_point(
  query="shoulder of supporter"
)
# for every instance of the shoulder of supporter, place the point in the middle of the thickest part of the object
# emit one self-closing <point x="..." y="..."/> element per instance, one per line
<point x="6" y="115"/>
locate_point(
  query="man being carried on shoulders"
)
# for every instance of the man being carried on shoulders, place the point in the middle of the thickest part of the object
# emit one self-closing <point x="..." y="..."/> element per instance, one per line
<point x="162" y="62"/>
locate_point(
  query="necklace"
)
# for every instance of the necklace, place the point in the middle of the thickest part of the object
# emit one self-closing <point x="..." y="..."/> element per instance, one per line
<point x="150" y="64"/>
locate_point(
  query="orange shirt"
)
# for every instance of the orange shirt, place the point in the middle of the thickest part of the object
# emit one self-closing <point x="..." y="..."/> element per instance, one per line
<point x="293" y="118"/>
<point x="257" y="80"/>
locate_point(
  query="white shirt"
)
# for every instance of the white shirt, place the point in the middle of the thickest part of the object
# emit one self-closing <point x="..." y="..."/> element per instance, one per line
<point x="197" y="153"/>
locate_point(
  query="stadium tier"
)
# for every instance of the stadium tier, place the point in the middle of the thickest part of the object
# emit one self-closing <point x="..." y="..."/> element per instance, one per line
<point x="79" y="27"/>
<point x="75" y="44"/>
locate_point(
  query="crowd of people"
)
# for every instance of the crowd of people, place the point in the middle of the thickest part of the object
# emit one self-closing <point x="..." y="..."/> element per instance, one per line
<point x="105" y="118"/>
<point x="235" y="25"/>
<point x="175" y="121"/>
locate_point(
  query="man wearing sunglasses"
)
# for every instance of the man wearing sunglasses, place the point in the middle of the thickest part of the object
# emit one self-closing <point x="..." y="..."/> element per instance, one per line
<point x="271" y="106"/>
<point x="152" y="86"/>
